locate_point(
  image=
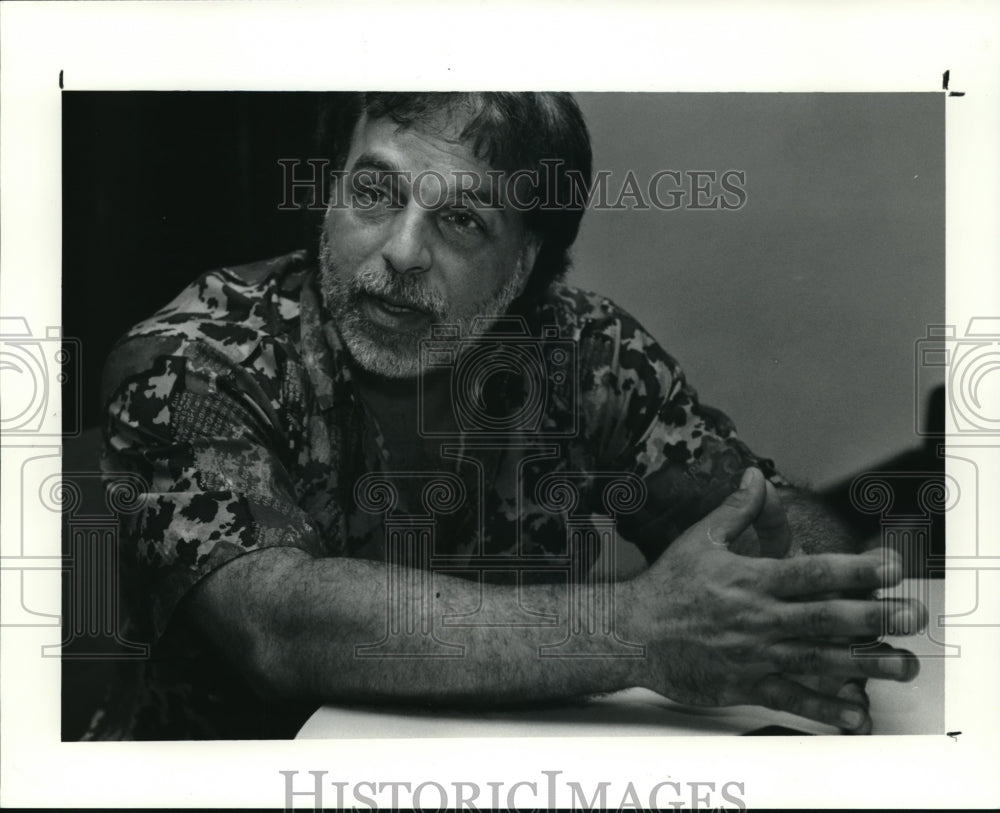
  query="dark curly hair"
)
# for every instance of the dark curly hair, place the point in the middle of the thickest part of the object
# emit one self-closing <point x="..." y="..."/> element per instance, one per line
<point x="510" y="132"/>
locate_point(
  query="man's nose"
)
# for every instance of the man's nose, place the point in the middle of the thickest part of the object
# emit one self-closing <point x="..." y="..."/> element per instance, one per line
<point x="407" y="248"/>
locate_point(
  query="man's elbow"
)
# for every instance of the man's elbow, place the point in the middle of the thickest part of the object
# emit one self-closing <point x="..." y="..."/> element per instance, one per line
<point x="271" y="671"/>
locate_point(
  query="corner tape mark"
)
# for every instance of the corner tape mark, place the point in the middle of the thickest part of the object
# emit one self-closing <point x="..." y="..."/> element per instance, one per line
<point x="954" y="735"/>
<point x="945" y="78"/>
<point x="60" y="80"/>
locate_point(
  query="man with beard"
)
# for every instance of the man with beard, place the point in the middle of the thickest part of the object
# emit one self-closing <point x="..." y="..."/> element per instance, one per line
<point x="285" y="414"/>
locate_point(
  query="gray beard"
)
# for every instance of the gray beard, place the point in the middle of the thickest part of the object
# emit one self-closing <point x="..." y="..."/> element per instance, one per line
<point x="390" y="353"/>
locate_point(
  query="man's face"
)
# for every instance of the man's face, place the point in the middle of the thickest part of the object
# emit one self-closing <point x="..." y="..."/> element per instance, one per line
<point x="405" y="253"/>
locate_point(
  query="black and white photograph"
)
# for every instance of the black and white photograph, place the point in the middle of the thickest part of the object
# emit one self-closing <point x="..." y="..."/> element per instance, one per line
<point x="469" y="442"/>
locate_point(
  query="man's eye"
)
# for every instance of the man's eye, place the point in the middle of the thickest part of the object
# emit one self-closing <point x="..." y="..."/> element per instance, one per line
<point x="369" y="195"/>
<point x="463" y="221"/>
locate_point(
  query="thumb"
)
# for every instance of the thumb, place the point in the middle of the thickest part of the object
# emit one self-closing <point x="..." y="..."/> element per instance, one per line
<point x="771" y="525"/>
<point x="736" y="513"/>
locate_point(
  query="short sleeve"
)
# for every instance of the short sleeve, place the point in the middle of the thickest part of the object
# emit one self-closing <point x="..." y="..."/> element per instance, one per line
<point x="201" y="433"/>
<point x="648" y="420"/>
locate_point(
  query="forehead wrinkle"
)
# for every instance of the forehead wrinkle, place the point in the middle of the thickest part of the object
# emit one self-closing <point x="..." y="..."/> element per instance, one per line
<point x="446" y="140"/>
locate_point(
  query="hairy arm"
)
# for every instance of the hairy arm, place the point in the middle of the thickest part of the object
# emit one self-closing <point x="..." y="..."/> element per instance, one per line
<point x="716" y="628"/>
<point x="294" y="624"/>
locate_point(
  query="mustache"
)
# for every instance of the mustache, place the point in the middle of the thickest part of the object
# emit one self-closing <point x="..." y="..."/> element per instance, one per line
<point x="405" y="290"/>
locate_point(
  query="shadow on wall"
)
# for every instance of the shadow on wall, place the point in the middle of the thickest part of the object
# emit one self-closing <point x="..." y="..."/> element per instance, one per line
<point x="907" y="521"/>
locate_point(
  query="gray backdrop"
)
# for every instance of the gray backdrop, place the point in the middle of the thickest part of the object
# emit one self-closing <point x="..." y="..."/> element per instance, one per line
<point x="796" y="314"/>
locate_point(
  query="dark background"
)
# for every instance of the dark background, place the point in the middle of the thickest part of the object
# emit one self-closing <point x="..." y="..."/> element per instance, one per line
<point x="159" y="187"/>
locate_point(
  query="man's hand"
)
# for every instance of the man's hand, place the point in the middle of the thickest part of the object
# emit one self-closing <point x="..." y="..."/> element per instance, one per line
<point x="771" y="535"/>
<point x="724" y="629"/>
<point x="719" y="628"/>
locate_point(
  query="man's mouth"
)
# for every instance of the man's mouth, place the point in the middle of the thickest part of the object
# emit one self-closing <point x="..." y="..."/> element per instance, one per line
<point x="398" y="305"/>
<point x="393" y="313"/>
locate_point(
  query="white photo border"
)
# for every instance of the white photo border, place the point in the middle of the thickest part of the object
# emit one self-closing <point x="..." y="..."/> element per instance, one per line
<point x="875" y="47"/>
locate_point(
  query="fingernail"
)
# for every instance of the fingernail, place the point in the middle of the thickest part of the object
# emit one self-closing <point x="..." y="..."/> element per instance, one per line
<point x="888" y="573"/>
<point x="748" y="477"/>
<point x="854" y="693"/>
<point x="900" y="622"/>
<point x="851" y="718"/>
<point x="895" y="667"/>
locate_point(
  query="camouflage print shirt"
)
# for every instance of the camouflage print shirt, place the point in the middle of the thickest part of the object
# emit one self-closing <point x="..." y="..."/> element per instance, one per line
<point x="236" y="406"/>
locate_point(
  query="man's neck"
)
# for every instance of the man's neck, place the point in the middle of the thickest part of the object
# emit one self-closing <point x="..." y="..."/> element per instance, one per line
<point x="399" y="404"/>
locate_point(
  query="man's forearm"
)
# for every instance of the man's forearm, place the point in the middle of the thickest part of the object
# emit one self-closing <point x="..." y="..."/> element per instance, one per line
<point x="294" y="625"/>
<point x="717" y="628"/>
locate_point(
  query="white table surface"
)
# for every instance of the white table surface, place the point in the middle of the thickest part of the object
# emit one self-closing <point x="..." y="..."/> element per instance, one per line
<point x="916" y="707"/>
